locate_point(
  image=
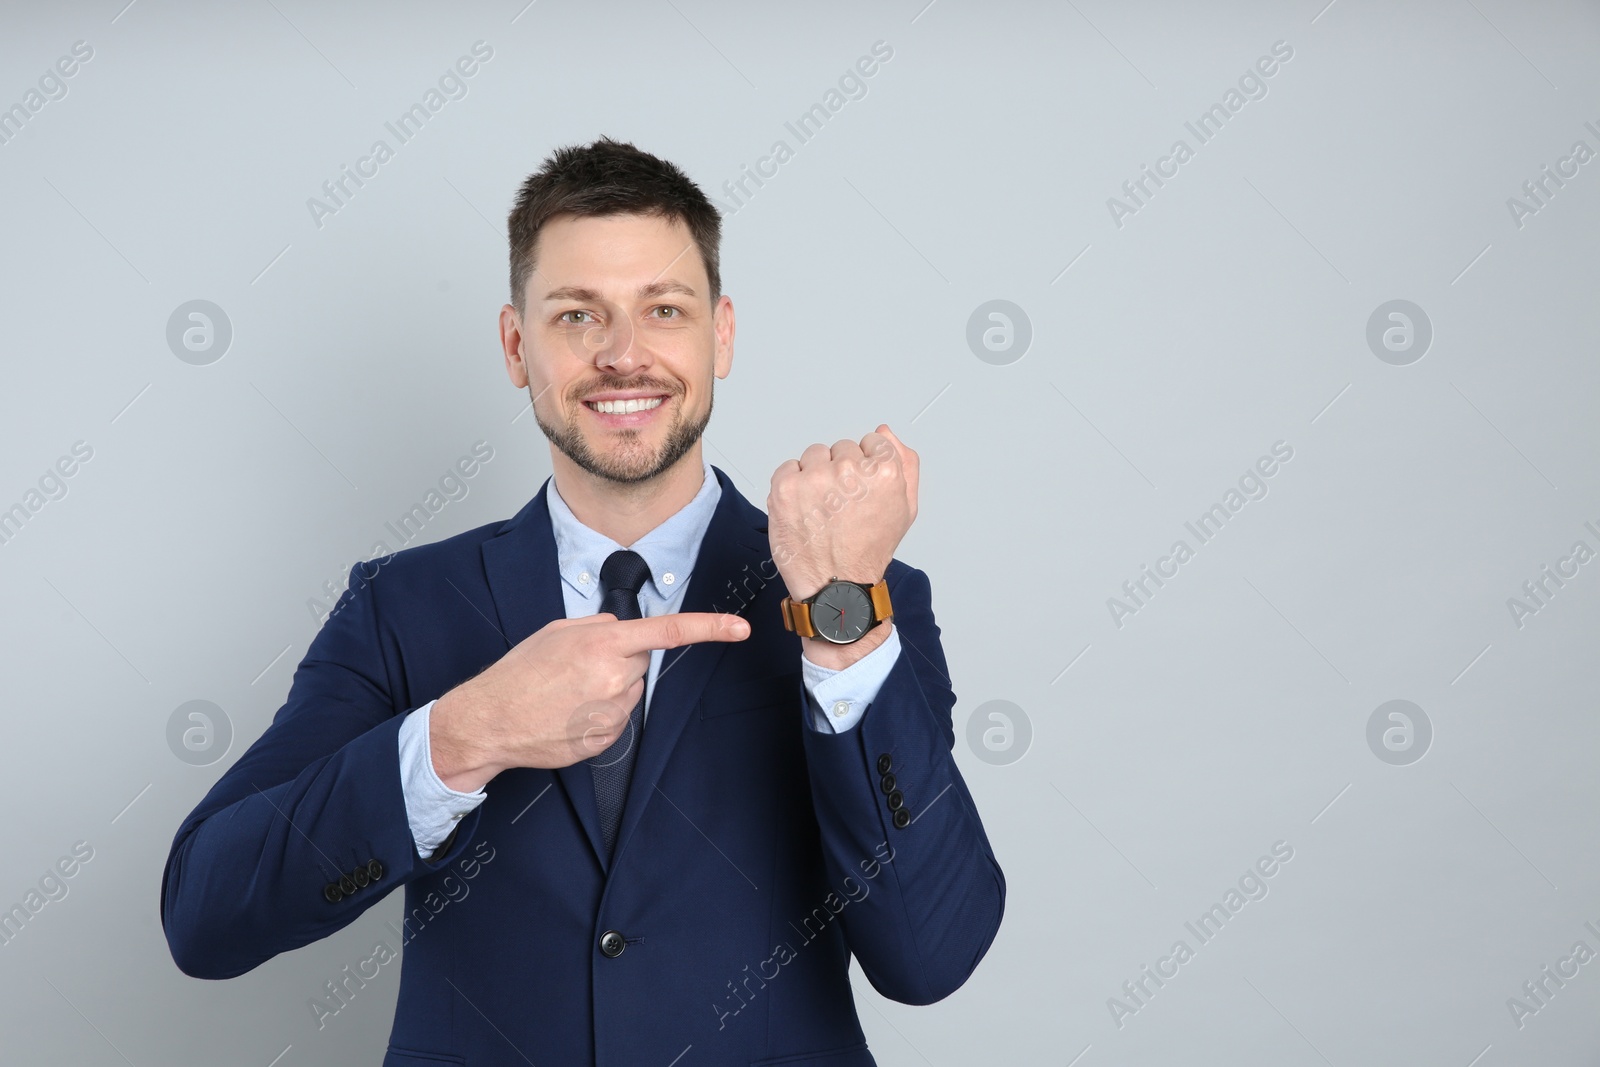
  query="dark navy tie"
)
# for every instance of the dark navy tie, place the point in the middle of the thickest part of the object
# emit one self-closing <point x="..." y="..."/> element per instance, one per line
<point x="621" y="578"/>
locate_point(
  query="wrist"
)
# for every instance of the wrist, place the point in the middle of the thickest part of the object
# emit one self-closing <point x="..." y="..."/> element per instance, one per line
<point x="807" y="586"/>
<point x="837" y="657"/>
<point x="459" y="758"/>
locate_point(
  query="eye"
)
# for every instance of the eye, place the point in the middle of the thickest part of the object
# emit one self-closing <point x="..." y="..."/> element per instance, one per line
<point x="563" y="316"/>
<point x="673" y="312"/>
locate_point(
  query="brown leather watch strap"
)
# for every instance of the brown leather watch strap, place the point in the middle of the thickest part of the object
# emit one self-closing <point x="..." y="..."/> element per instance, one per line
<point x="797" y="613"/>
<point x="797" y="617"/>
<point x="881" y="608"/>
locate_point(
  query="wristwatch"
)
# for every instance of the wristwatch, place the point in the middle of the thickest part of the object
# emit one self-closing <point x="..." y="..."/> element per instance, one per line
<point x="840" y="612"/>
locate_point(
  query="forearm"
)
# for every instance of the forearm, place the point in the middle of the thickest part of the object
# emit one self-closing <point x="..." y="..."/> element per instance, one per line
<point x="935" y="904"/>
<point x="461" y="741"/>
<point x="248" y="879"/>
<point x="433" y="809"/>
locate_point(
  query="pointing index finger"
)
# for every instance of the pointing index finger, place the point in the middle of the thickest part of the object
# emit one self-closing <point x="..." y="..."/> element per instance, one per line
<point x="681" y="628"/>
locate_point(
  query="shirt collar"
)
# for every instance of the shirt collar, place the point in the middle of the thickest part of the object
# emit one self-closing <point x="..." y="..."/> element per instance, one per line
<point x="670" y="549"/>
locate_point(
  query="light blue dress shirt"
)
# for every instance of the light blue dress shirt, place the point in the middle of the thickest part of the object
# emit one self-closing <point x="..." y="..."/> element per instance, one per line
<point x="838" y="698"/>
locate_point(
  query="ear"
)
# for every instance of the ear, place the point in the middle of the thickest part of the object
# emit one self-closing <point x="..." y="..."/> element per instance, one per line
<point x="722" y="327"/>
<point x="512" y="342"/>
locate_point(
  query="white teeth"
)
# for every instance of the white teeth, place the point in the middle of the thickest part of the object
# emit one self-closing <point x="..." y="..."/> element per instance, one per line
<point x="624" y="407"/>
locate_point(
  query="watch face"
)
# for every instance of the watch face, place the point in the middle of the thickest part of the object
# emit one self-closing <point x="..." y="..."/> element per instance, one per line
<point x="841" y="613"/>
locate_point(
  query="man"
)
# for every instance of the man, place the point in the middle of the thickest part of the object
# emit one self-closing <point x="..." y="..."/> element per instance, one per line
<point x="651" y="764"/>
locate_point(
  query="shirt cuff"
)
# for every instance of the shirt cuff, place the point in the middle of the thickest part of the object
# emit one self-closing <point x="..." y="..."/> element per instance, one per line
<point x="838" y="698"/>
<point x="432" y="808"/>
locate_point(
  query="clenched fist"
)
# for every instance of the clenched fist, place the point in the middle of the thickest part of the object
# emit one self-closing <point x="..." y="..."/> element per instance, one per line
<point x="841" y="512"/>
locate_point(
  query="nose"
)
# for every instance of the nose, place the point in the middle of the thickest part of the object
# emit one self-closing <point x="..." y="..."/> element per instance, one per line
<point x="616" y="347"/>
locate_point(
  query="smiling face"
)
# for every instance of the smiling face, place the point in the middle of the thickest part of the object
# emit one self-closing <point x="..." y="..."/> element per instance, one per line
<point x="619" y="343"/>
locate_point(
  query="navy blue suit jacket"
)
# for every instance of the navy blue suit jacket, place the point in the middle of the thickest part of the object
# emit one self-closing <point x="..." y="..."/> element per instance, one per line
<point x="755" y="853"/>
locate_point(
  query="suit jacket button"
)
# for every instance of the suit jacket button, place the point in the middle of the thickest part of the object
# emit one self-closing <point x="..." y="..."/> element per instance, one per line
<point x="374" y="870"/>
<point x="884" y="763"/>
<point x="896" y="800"/>
<point x="902" y="819"/>
<point x="887" y="783"/>
<point x="360" y="876"/>
<point x="611" y="944"/>
<point x="347" y="884"/>
<point x="332" y="893"/>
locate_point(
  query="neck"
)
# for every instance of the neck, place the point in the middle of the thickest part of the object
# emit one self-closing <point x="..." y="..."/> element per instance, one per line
<point x="626" y="513"/>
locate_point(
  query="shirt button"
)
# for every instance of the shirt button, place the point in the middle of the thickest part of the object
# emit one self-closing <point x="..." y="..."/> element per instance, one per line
<point x="459" y="815"/>
<point x="583" y="579"/>
<point x="841" y="708"/>
<point x="667" y="579"/>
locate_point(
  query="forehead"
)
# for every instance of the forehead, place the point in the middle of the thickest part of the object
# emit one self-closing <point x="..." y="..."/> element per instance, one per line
<point x="615" y="255"/>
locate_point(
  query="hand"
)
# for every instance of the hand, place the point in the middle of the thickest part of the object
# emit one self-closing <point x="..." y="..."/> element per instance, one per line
<point x="562" y="695"/>
<point x="841" y="511"/>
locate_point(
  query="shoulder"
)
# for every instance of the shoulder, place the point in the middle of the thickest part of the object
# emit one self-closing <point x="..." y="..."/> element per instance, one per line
<point x="427" y="568"/>
<point x="446" y="553"/>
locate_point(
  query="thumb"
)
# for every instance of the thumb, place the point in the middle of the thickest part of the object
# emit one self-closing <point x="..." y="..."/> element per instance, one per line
<point x="909" y="462"/>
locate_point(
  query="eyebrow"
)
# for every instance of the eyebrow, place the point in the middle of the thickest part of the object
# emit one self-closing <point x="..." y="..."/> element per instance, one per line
<point x="646" y="291"/>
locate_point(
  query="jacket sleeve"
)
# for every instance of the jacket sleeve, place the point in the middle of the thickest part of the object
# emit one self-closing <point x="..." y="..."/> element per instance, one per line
<point x="896" y="818"/>
<point x="308" y="829"/>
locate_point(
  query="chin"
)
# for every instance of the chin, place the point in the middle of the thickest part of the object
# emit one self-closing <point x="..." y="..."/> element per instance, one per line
<point x="625" y="456"/>
<point x="625" y="460"/>
<point x="631" y="467"/>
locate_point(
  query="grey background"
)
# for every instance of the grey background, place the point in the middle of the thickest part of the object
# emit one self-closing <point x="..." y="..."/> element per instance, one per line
<point x="1229" y="313"/>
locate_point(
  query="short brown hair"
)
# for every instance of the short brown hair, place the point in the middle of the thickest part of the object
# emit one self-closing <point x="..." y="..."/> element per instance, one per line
<point x="609" y="178"/>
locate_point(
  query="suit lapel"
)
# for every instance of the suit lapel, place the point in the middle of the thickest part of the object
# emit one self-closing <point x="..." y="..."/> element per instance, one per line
<point x="525" y="582"/>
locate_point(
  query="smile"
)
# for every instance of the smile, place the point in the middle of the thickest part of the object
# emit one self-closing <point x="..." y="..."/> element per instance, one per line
<point x="624" y="407"/>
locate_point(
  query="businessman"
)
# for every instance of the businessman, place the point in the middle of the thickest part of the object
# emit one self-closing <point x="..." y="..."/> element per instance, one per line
<point x="650" y="764"/>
